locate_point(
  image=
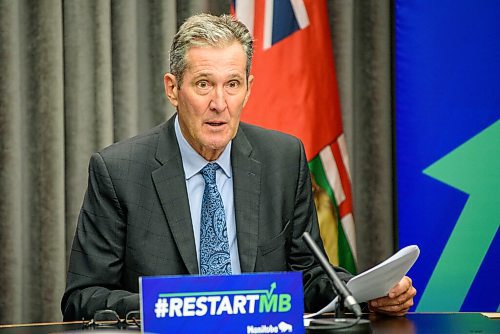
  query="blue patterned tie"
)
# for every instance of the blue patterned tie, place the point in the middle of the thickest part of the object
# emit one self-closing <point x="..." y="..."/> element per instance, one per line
<point x="214" y="245"/>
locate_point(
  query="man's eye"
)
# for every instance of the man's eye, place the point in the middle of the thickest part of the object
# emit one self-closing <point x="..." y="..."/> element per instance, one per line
<point x="203" y="84"/>
<point x="233" y="84"/>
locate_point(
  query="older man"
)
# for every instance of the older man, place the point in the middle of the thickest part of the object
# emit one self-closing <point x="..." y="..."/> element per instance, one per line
<point x="201" y="193"/>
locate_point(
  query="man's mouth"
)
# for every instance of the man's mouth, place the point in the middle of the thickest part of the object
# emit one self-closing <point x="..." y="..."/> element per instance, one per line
<point x="215" y="123"/>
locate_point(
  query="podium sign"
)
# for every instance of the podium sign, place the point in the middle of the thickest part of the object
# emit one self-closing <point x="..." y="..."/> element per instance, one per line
<point x="247" y="303"/>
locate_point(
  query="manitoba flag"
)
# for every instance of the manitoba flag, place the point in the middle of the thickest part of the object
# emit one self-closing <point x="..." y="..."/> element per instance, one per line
<point x="295" y="91"/>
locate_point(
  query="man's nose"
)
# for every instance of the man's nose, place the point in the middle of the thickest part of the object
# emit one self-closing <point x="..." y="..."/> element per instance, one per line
<point x="218" y="102"/>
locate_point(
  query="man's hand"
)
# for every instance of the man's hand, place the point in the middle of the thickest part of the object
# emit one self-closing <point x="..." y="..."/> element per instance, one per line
<point x="398" y="301"/>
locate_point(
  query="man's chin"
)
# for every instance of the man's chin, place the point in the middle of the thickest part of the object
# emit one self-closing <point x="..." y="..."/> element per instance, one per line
<point x="217" y="142"/>
<point x="217" y="146"/>
<point x="211" y="150"/>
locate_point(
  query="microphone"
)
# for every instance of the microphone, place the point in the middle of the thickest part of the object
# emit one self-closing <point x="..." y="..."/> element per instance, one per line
<point x="338" y="284"/>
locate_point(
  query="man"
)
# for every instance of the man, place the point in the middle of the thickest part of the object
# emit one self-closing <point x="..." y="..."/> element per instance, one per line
<point x="148" y="198"/>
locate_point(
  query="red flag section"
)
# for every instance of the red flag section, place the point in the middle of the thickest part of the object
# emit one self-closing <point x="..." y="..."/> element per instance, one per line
<point x="294" y="89"/>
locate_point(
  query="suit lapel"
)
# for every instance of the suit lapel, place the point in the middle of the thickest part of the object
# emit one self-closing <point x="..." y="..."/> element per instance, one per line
<point x="170" y="184"/>
<point x="247" y="178"/>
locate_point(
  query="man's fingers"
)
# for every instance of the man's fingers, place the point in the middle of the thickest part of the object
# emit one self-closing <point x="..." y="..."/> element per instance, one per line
<point x="407" y="295"/>
<point x="401" y="287"/>
<point x="399" y="300"/>
<point x="384" y="301"/>
<point x="398" y="309"/>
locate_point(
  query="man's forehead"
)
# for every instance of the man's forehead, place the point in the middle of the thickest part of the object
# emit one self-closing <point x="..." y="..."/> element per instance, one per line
<point x="213" y="60"/>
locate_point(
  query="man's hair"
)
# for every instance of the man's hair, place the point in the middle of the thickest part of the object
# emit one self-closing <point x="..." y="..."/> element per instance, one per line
<point x="205" y="30"/>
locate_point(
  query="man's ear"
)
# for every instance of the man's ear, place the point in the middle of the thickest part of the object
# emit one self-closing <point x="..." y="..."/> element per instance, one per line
<point x="249" y="89"/>
<point x="171" y="89"/>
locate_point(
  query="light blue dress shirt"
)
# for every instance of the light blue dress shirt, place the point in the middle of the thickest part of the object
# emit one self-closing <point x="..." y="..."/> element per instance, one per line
<point x="192" y="163"/>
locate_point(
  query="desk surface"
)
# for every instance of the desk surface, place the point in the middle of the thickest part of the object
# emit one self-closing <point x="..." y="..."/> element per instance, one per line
<point x="436" y="323"/>
<point x="413" y="323"/>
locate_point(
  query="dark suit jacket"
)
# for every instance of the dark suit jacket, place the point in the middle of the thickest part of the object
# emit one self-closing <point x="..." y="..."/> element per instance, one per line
<point x="135" y="219"/>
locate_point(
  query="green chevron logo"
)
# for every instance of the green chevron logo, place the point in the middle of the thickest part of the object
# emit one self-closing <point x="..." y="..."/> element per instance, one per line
<point x="474" y="168"/>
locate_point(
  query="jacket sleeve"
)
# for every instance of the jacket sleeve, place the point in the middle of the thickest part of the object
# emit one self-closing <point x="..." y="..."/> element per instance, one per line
<point x="96" y="259"/>
<point x="318" y="290"/>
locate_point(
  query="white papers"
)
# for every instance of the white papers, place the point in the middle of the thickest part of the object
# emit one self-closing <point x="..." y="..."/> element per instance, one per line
<point x="377" y="281"/>
<point x="491" y="315"/>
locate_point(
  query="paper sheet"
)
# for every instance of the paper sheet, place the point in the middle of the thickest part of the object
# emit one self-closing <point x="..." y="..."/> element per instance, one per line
<point x="377" y="281"/>
<point x="491" y="315"/>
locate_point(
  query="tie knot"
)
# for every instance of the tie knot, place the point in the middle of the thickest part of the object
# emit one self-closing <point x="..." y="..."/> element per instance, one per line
<point x="208" y="172"/>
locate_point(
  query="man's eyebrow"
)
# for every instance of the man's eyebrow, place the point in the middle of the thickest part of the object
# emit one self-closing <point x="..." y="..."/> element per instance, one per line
<point x="201" y="74"/>
<point x="236" y="76"/>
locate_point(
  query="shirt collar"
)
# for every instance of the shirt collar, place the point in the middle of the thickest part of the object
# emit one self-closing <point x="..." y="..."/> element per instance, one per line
<point x="193" y="162"/>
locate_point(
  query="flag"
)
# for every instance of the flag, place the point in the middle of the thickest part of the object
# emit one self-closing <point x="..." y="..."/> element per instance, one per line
<point x="295" y="91"/>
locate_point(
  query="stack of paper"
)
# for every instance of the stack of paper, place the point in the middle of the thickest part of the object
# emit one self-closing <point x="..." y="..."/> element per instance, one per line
<point x="377" y="281"/>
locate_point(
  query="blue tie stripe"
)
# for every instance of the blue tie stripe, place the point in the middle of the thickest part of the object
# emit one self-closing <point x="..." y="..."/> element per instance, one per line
<point x="214" y="244"/>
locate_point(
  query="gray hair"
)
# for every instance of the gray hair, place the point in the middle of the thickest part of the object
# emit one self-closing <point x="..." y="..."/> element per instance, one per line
<point x="208" y="30"/>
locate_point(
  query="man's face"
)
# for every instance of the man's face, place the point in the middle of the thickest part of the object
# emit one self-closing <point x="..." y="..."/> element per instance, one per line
<point x="213" y="92"/>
